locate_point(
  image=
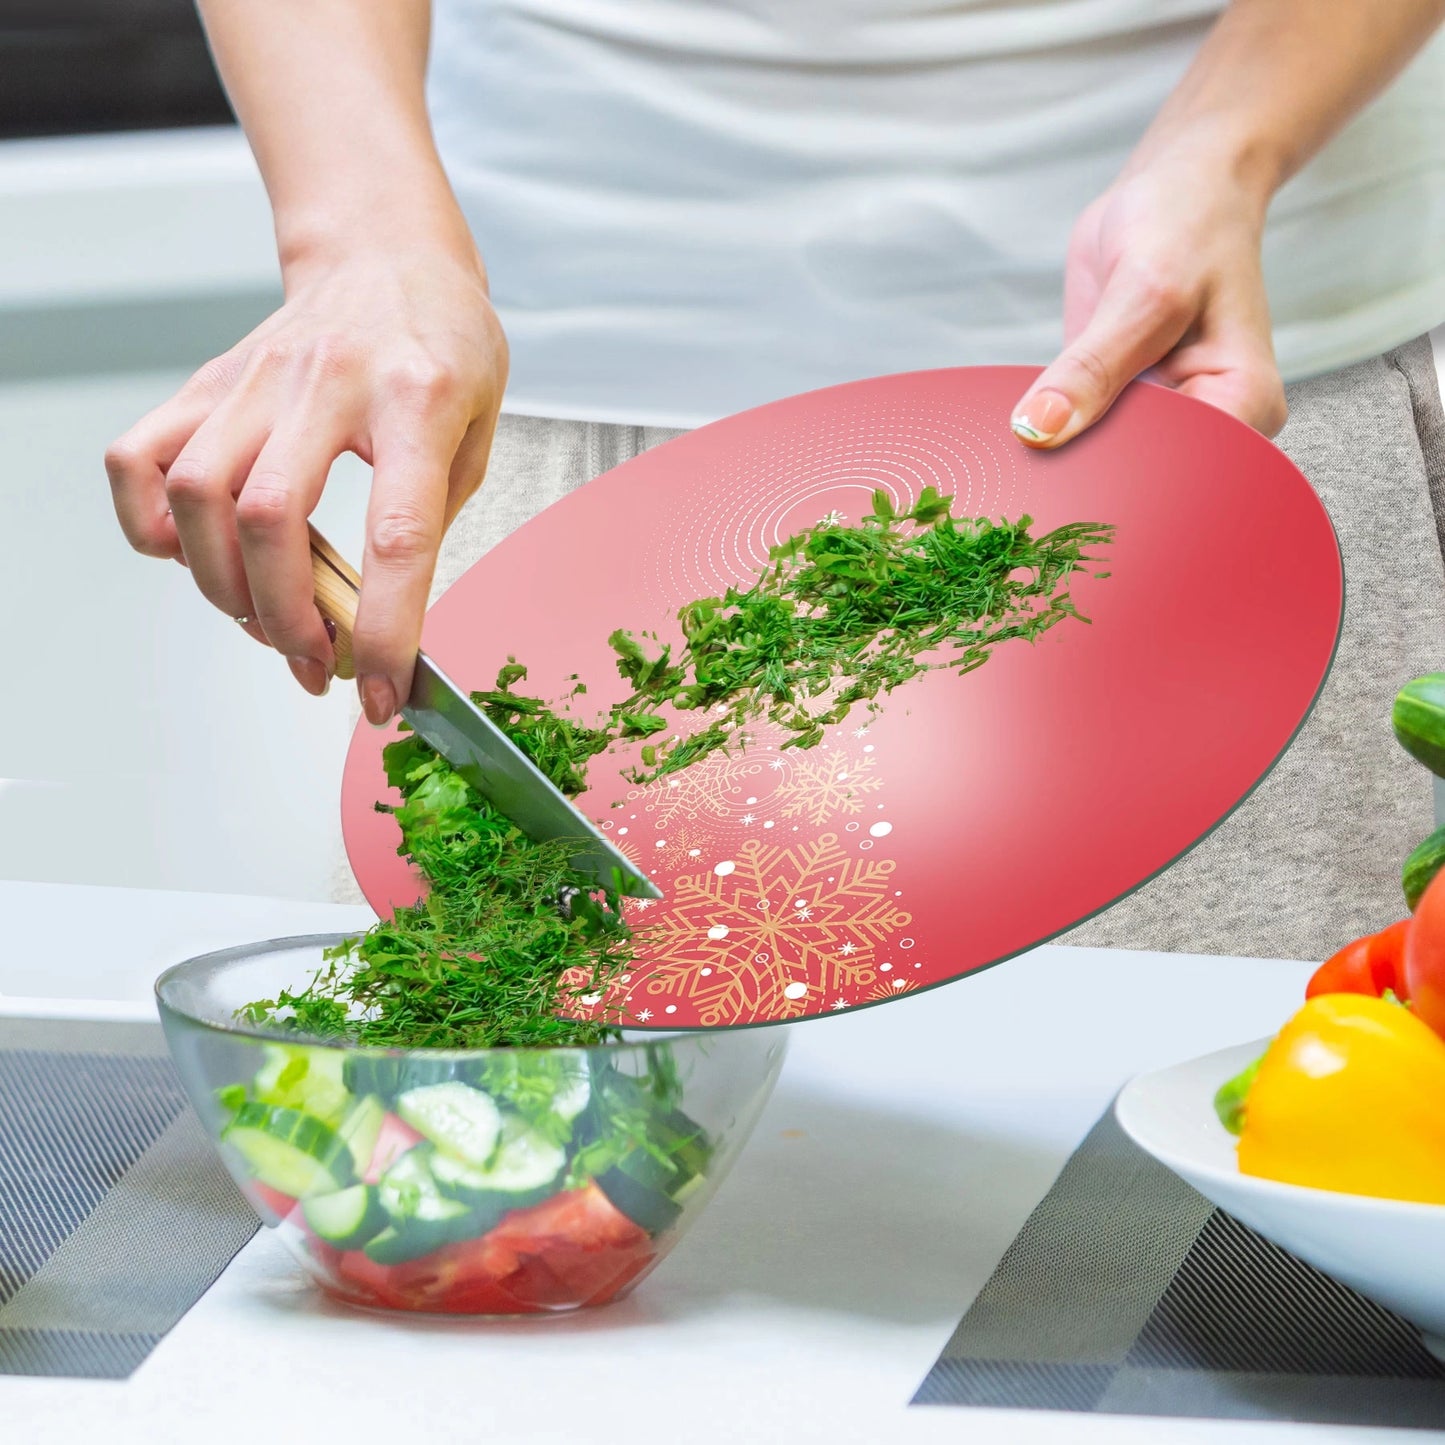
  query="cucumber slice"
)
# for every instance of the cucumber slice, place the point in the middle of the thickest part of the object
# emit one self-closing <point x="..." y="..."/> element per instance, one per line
<point x="290" y="1151"/>
<point x="574" y="1093"/>
<point x="421" y="1218"/>
<point x="645" y="1206"/>
<point x="459" y="1120"/>
<point x="686" y="1143"/>
<point x="295" y="1076"/>
<point x="391" y="1075"/>
<point x="372" y="1074"/>
<point x="347" y="1218"/>
<point x="400" y="1243"/>
<point x="524" y="1160"/>
<point x="523" y="1172"/>
<point x="361" y="1128"/>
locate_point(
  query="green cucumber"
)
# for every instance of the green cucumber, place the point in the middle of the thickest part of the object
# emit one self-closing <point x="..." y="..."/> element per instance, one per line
<point x="1418" y="717"/>
<point x="400" y="1243"/>
<point x="296" y="1076"/>
<point x="523" y="1171"/>
<point x="420" y="1217"/>
<point x="391" y="1075"/>
<point x="1421" y="866"/>
<point x="361" y="1128"/>
<point x="378" y="1074"/>
<point x="685" y="1142"/>
<point x="347" y="1218"/>
<point x="459" y="1120"/>
<point x="290" y="1151"/>
<point x="647" y="1207"/>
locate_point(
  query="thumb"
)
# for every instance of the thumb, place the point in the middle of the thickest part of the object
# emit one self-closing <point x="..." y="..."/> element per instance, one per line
<point x="1134" y="326"/>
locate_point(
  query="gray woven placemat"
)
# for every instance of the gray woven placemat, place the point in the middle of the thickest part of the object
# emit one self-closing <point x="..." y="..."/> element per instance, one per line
<point x="1128" y="1293"/>
<point x="115" y="1213"/>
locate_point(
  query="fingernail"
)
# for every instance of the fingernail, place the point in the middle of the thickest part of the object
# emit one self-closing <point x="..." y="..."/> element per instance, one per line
<point x="311" y="674"/>
<point x="1042" y="417"/>
<point x="378" y="700"/>
<point x="330" y="627"/>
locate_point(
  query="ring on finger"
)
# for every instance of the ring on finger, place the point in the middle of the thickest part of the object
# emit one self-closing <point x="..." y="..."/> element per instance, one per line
<point x="244" y="621"/>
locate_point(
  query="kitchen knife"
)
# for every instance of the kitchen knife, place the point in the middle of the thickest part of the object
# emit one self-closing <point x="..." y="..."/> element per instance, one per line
<point x="444" y="716"/>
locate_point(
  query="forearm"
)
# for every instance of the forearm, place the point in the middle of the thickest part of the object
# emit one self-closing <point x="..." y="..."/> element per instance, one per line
<point x="331" y="94"/>
<point x="1277" y="78"/>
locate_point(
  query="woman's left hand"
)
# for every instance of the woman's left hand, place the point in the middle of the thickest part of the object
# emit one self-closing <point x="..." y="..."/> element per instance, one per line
<point x="1164" y="273"/>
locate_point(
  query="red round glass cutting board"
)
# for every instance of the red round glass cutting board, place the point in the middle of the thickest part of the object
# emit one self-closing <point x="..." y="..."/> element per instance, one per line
<point x="978" y="815"/>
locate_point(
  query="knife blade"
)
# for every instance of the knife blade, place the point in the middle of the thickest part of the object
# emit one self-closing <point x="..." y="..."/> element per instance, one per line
<point x="480" y="752"/>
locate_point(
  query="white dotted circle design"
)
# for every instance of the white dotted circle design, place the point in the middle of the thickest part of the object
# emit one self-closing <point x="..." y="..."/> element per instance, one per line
<point x="830" y="466"/>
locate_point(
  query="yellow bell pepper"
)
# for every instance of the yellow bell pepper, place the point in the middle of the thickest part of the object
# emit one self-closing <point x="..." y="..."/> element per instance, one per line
<point x="1350" y="1096"/>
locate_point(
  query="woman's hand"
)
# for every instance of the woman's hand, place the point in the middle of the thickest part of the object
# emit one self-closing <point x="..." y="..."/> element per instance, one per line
<point x="1163" y="272"/>
<point x="1164" y="268"/>
<point x="394" y="355"/>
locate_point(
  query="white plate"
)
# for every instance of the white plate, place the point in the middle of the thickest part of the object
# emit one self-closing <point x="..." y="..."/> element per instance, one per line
<point x="1388" y="1249"/>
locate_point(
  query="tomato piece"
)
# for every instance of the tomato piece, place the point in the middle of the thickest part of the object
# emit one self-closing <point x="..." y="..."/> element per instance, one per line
<point x="585" y="1218"/>
<point x="1425" y="956"/>
<point x="394" y="1139"/>
<point x="364" y="1281"/>
<point x="1369" y="965"/>
<point x="575" y="1248"/>
<point x="451" y="1280"/>
<point x="624" y="1281"/>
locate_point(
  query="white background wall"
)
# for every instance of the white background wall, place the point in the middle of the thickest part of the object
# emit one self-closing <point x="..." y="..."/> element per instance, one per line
<point x="144" y="740"/>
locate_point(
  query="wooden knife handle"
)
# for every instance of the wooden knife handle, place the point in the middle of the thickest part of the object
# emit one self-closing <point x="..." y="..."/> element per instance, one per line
<point x="337" y="585"/>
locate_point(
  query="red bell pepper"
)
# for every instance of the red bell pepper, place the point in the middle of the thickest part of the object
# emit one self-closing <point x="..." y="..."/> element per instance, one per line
<point x="1370" y="965"/>
<point x="1425" y="956"/>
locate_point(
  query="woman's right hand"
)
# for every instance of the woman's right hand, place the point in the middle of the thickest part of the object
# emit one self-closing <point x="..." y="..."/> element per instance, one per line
<point x="397" y="356"/>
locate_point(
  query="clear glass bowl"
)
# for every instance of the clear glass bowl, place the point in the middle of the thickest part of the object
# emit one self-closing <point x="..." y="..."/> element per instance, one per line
<point x="470" y="1182"/>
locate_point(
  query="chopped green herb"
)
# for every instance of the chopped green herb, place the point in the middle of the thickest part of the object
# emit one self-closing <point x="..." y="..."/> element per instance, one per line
<point x="510" y="936"/>
<point x="845" y="615"/>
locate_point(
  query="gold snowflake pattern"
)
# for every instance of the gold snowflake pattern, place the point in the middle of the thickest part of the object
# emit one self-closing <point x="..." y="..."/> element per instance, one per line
<point x="776" y="931"/>
<point x="823" y="785"/>
<point x="890" y="985"/>
<point x="682" y="846"/>
<point x="716" y="787"/>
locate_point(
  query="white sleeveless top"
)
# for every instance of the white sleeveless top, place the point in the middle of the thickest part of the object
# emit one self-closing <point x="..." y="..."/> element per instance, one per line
<point x="692" y="206"/>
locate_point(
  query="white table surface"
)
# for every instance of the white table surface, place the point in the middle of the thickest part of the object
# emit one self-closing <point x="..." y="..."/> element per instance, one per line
<point x="902" y="1151"/>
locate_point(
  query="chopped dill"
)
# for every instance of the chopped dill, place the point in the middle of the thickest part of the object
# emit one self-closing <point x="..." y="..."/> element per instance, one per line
<point x="510" y="939"/>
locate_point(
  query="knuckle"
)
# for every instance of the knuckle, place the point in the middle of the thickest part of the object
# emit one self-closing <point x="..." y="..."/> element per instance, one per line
<point x="423" y="383"/>
<point x="1162" y="294"/>
<point x="264" y="506"/>
<point x="332" y="356"/>
<point x="402" y="535"/>
<point x="268" y="360"/>
<point x="188" y="481"/>
<point x="124" y="457"/>
<point x="211" y="379"/>
<point x="1096" y="371"/>
<point x="150" y="541"/>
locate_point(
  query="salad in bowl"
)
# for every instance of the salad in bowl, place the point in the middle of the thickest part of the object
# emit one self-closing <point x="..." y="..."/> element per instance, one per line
<point x="492" y="1181"/>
